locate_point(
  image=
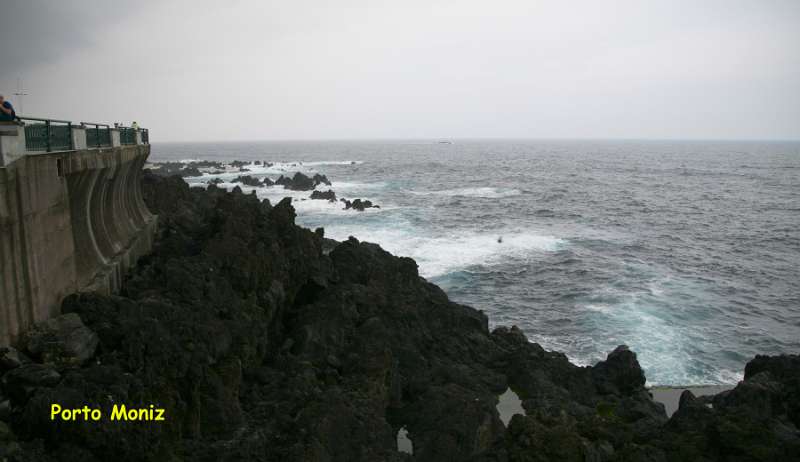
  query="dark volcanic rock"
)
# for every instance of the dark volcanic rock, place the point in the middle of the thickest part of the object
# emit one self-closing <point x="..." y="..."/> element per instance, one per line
<point x="358" y="204"/>
<point x="321" y="179"/>
<point x="301" y="182"/>
<point x="266" y="341"/>
<point x="10" y="358"/>
<point x="247" y="180"/>
<point x="62" y="341"/>
<point x="619" y="373"/>
<point x="328" y="195"/>
<point x="21" y="382"/>
<point x="206" y="164"/>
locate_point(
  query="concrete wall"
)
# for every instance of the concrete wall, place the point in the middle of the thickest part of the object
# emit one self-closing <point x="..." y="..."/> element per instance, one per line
<point x="69" y="221"/>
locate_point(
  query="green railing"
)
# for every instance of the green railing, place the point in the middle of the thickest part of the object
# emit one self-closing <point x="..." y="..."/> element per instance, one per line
<point x="47" y="134"/>
<point x="97" y="135"/>
<point x="127" y="135"/>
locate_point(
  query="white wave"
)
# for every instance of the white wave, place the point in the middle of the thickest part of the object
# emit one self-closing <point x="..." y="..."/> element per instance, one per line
<point x="440" y="255"/>
<point x="643" y="320"/>
<point x="334" y="162"/>
<point x="261" y="170"/>
<point x="486" y="192"/>
<point x="351" y="186"/>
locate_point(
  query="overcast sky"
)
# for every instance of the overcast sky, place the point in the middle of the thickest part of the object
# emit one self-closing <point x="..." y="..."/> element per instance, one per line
<point x="319" y="69"/>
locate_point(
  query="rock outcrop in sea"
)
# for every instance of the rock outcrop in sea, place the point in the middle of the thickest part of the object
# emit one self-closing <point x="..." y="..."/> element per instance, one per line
<point x="301" y="182"/>
<point x="358" y="204"/>
<point x="266" y="341"/>
<point x="328" y="195"/>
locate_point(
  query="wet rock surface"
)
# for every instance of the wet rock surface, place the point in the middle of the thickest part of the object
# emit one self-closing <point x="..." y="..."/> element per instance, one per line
<point x="247" y="180"/>
<point x="358" y="204"/>
<point x="266" y="341"/>
<point x="328" y="195"/>
<point x="302" y="182"/>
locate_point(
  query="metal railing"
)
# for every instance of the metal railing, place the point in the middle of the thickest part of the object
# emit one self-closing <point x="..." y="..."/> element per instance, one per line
<point x="127" y="135"/>
<point x="97" y="135"/>
<point x="47" y="134"/>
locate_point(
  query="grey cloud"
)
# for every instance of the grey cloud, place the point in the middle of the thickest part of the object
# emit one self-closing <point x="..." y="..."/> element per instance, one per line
<point x="258" y="69"/>
<point x="33" y="32"/>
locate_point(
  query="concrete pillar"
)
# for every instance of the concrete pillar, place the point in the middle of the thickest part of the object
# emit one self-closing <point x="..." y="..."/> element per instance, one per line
<point x="78" y="137"/>
<point x="115" y="143"/>
<point x="138" y="136"/>
<point x="12" y="142"/>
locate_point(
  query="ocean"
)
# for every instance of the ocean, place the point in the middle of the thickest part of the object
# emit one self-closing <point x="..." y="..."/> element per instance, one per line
<point x="686" y="251"/>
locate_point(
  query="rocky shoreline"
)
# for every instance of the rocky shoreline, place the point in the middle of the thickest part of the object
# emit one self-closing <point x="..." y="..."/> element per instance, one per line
<point x="263" y="340"/>
<point x="297" y="182"/>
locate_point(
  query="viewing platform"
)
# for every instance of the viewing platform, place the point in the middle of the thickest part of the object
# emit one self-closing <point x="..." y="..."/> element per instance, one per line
<point x="72" y="217"/>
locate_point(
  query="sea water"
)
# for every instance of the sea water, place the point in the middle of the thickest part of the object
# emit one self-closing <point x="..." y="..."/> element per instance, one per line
<point x="688" y="252"/>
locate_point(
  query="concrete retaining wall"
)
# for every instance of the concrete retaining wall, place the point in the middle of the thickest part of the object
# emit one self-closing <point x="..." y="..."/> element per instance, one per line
<point x="69" y="221"/>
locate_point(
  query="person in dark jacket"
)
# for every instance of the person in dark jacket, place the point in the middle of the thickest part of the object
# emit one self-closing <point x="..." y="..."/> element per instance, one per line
<point x="7" y="113"/>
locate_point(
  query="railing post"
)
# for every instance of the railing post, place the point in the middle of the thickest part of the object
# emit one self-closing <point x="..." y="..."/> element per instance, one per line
<point x="47" y="133"/>
<point x="115" y="141"/>
<point x="79" y="137"/>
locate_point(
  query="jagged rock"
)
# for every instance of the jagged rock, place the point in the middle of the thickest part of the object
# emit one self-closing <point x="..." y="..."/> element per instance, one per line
<point x="328" y="245"/>
<point x="267" y="182"/>
<point x="301" y="182"/>
<point x="190" y="172"/>
<point x="619" y="373"/>
<point x="359" y="205"/>
<point x="238" y="163"/>
<point x="321" y="179"/>
<point x="63" y="341"/>
<point x="5" y="409"/>
<point x="215" y="181"/>
<point x="19" y="383"/>
<point x="328" y="195"/>
<point x="10" y="358"/>
<point x="5" y="433"/>
<point x="247" y="180"/>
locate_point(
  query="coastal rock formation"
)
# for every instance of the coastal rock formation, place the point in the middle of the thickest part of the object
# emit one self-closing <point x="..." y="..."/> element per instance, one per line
<point x="301" y="182"/>
<point x="321" y="179"/>
<point x="62" y="341"/>
<point x="266" y="341"/>
<point x="358" y="204"/>
<point x="247" y="180"/>
<point x="328" y="195"/>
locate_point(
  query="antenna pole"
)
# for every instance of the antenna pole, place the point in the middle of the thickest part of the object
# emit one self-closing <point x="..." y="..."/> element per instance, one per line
<point x="20" y="93"/>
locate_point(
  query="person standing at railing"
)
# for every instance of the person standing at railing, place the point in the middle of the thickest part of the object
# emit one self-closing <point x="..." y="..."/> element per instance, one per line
<point x="7" y="113"/>
<point x="135" y="125"/>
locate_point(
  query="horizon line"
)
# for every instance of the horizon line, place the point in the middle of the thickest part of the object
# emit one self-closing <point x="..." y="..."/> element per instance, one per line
<point x="473" y="139"/>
